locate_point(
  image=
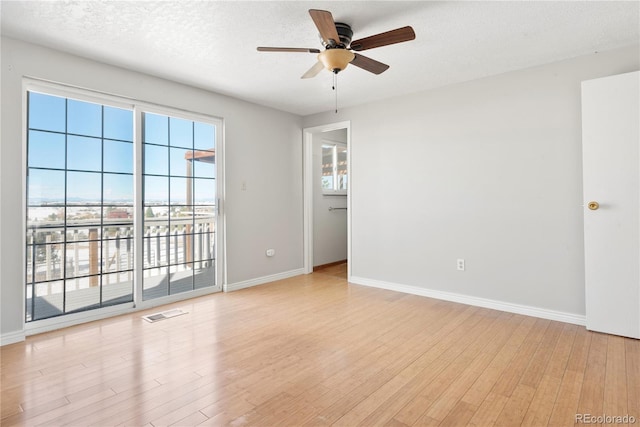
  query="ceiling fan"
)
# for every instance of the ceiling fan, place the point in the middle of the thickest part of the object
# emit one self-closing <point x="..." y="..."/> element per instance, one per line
<point x="340" y="50"/>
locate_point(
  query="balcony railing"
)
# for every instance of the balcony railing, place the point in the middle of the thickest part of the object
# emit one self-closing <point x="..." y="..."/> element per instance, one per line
<point x="85" y="254"/>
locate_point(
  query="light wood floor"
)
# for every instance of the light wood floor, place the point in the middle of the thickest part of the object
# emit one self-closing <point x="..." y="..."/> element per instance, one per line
<point x="312" y="350"/>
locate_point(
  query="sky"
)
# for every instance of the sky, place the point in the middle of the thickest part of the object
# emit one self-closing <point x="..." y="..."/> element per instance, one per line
<point x="94" y="143"/>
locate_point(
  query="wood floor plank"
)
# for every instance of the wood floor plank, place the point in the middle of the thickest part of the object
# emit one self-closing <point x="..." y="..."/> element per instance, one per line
<point x="632" y="352"/>
<point x="489" y="410"/>
<point x="516" y="407"/>
<point x="477" y="394"/>
<point x="566" y="404"/>
<point x="592" y="391"/>
<point x="365" y="408"/>
<point x="615" y="382"/>
<point x="541" y="405"/>
<point x="389" y="408"/>
<point x="512" y="375"/>
<point x="315" y="350"/>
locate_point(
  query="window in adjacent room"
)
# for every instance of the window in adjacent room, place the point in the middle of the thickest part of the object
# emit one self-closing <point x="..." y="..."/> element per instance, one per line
<point x="334" y="168"/>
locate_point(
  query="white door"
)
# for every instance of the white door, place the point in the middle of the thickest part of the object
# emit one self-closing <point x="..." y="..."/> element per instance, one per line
<point x="611" y="158"/>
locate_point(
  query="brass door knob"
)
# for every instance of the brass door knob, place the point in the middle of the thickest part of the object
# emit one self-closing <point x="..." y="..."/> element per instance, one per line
<point x="593" y="205"/>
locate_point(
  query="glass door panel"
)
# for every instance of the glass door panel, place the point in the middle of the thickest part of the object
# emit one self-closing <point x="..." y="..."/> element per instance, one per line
<point x="179" y="188"/>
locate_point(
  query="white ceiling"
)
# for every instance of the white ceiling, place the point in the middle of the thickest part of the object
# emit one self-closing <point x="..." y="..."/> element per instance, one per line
<point x="212" y="44"/>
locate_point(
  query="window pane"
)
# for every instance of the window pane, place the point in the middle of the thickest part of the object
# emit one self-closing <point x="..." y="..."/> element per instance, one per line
<point x="204" y="136"/>
<point x="117" y="288"/>
<point x="181" y="133"/>
<point x="178" y="162"/>
<point x="179" y="242"/>
<point x="46" y="150"/>
<point x="118" y="188"/>
<point x="45" y="224"/>
<point x="155" y="211"/>
<point x="80" y="231"/>
<point x="204" y="192"/>
<point x="156" y="160"/>
<point x="181" y="215"/>
<point x="83" y="215"/>
<point x="49" y="300"/>
<point x="84" y="153"/>
<point x="179" y="188"/>
<point x="155" y="283"/>
<point x="206" y="215"/>
<point x="118" y="255"/>
<point x="84" y="258"/>
<point x="342" y="168"/>
<point x="84" y="298"/>
<point x="327" y="167"/>
<point x="204" y="277"/>
<point x="46" y="112"/>
<point x="204" y="169"/>
<point x="49" y="261"/>
<point x="120" y="218"/>
<point x="181" y="279"/>
<point x="118" y="156"/>
<point x="121" y="254"/>
<point x="327" y="182"/>
<point x="202" y="246"/>
<point x="342" y="182"/>
<point x="45" y="186"/>
<point x="156" y="244"/>
<point x="83" y="187"/>
<point x="156" y="190"/>
<point x="156" y="129"/>
<point x="118" y="123"/>
<point x="84" y="118"/>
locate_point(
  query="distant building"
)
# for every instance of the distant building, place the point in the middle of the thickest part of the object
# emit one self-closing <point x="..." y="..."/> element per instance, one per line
<point x="118" y="214"/>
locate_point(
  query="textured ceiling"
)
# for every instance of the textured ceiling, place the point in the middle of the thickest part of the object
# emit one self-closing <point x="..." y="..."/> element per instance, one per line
<point x="211" y="44"/>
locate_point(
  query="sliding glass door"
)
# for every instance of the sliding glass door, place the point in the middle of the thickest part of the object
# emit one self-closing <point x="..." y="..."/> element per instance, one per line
<point x="121" y="203"/>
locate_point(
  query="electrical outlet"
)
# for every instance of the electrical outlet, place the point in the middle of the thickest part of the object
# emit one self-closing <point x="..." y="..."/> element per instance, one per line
<point x="271" y="252"/>
<point x="460" y="264"/>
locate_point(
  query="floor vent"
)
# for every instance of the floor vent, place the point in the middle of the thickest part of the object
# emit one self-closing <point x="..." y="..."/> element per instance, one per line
<point x="164" y="315"/>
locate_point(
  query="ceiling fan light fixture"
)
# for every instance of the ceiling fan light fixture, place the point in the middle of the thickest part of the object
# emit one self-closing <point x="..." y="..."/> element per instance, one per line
<point x="336" y="60"/>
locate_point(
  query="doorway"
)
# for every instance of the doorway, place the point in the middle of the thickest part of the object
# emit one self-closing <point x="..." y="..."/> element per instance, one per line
<point x="327" y="195"/>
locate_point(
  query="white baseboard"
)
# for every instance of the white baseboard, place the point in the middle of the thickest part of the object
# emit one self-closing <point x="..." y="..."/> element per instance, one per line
<point x="11" y="338"/>
<point x="526" y="310"/>
<point x="262" y="280"/>
<point x="73" y="319"/>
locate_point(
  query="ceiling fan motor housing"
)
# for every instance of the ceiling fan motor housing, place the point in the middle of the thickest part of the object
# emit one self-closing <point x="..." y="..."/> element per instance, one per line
<point x="345" y="33"/>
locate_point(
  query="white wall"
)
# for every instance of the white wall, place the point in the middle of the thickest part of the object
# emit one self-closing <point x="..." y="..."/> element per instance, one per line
<point x="489" y="171"/>
<point x="329" y="227"/>
<point x="263" y="148"/>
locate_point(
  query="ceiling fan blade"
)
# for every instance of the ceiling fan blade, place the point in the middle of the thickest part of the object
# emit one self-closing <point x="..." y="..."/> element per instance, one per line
<point x="313" y="71"/>
<point x="288" y="49"/>
<point x="398" y="35"/>
<point x="369" y="64"/>
<point x="326" y="25"/>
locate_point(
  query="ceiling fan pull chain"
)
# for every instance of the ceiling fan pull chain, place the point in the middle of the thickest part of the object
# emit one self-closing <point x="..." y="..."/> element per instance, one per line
<point x="335" y="88"/>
